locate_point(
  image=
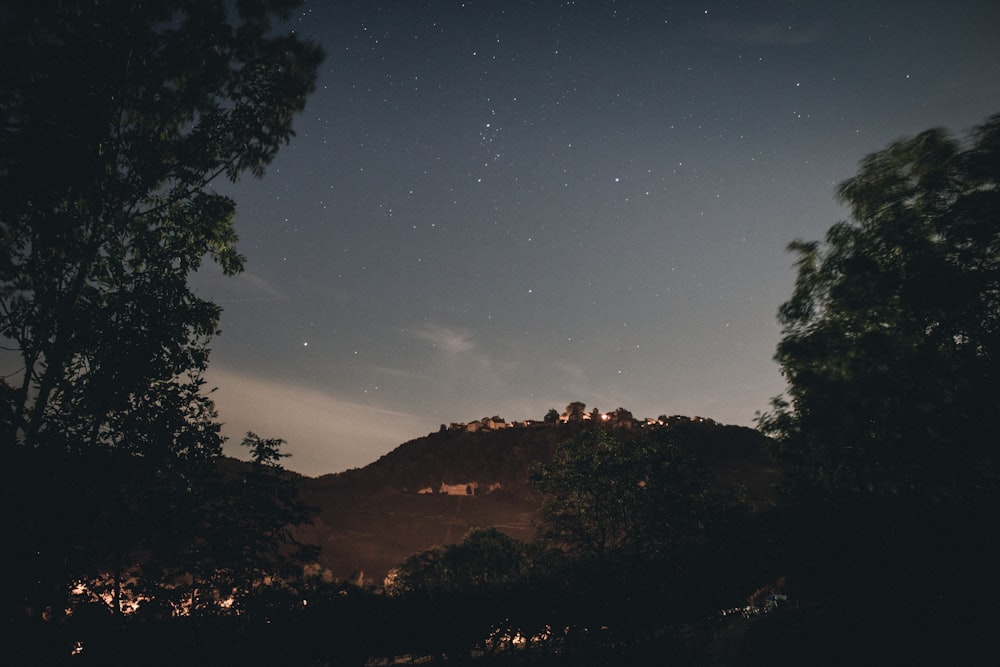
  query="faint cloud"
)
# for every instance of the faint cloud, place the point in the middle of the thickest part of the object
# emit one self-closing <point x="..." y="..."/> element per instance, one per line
<point x="325" y="433"/>
<point x="445" y="339"/>
<point x="211" y="282"/>
<point x="263" y="288"/>
<point x="461" y="369"/>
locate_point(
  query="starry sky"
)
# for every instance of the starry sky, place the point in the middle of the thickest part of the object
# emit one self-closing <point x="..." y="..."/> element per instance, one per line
<point x="500" y="207"/>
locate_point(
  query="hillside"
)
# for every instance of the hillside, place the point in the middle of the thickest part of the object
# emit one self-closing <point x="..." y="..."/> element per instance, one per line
<point x="434" y="489"/>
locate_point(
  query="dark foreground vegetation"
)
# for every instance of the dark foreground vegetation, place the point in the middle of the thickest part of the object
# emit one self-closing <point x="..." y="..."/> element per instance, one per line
<point x="129" y="539"/>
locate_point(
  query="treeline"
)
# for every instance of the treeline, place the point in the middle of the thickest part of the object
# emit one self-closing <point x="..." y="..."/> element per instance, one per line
<point x="636" y="556"/>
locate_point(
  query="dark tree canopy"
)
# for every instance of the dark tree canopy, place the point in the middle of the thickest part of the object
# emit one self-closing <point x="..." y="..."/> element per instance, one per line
<point x="114" y="122"/>
<point x="606" y="497"/>
<point x="115" y="118"/>
<point x="486" y="557"/>
<point x="891" y="339"/>
<point x="575" y="411"/>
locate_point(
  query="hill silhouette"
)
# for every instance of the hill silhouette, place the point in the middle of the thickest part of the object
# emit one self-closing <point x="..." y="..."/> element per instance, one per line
<point x="434" y="489"/>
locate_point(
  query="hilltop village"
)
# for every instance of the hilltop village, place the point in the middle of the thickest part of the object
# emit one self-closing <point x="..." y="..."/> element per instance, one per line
<point x="575" y="412"/>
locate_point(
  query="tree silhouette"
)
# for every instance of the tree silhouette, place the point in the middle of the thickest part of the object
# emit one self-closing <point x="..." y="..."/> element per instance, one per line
<point x="486" y="557"/>
<point x="575" y="411"/>
<point x="891" y="347"/>
<point x="891" y="340"/>
<point x="115" y="122"/>
<point x="604" y="496"/>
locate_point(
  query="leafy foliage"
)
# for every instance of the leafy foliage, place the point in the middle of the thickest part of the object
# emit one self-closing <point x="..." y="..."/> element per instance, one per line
<point x="115" y="121"/>
<point x="604" y="495"/>
<point x="891" y="339"/>
<point x="113" y="129"/>
<point x="245" y="549"/>
<point x="486" y="557"/>
<point x="890" y="346"/>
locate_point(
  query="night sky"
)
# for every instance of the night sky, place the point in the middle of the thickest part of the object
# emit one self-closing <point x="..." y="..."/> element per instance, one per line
<point x="497" y="208"/>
